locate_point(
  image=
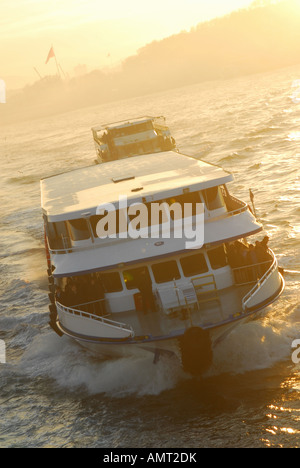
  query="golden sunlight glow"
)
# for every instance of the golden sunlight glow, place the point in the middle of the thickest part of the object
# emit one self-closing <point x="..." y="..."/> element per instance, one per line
<point x="97" y="34"/>
<point x="71" y="52"/>
<point x="293" y="136"/>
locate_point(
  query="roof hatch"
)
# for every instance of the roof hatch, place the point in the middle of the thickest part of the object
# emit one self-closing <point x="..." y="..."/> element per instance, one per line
<point x="116" y="180"/>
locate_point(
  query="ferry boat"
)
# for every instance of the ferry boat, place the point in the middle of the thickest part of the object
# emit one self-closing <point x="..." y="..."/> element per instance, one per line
<point x="142" y="135"/>
<point x="122" y="294"/>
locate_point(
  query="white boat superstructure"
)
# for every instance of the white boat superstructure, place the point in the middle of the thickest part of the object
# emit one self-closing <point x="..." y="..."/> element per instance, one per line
<point x="143" y="135"/>
<point x="121" y="295"/>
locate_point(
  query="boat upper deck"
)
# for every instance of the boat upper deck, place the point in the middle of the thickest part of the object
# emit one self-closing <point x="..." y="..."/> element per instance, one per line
<point x="124" y="124"/>
<point x="145" y="177"/>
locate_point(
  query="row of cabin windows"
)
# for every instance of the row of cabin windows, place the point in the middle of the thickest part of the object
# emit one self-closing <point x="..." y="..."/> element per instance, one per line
<point x="138" y="148"/>
<point x="165" y="272"/>
<point x="125" y="131"/>
<point x="80" y="229"/>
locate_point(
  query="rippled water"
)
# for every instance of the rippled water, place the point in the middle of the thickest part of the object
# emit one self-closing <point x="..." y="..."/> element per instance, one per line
<point x="53" y="393"/>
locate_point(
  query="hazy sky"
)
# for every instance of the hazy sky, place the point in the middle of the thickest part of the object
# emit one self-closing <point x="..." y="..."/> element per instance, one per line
<point x="92" y="32"/>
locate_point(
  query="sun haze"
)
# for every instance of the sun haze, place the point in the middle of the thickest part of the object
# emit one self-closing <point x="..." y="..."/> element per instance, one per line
<point x="90" y="33"/>
<point x="73" y="54"/>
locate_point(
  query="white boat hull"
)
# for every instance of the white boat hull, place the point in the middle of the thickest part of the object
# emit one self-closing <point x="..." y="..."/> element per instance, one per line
<point x="124" y="347"/>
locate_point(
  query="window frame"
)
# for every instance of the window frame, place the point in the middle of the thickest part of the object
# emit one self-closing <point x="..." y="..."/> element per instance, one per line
<point x="157" y="265"/>
<point x="192" y="256"/>
<point x="225" y="257"/>
<point x="102" y="274"/>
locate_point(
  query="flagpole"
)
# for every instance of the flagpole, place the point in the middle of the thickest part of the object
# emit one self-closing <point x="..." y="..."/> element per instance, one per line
<point x="56" y="63"/>
<point x="252" y="201"/>
<point x="62" y="70"/>
<point x="38" y="73"/>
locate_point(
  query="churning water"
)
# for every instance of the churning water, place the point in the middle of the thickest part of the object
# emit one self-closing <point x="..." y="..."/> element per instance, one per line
<point x="55" y="394"/>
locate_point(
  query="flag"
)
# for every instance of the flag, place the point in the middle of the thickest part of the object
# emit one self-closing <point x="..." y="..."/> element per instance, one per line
<point x="251" y="195"/>
<point x="50" y="55"/>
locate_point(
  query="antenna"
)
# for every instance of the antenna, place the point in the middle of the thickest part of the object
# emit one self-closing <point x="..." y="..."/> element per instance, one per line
<point x="38" y="73"/>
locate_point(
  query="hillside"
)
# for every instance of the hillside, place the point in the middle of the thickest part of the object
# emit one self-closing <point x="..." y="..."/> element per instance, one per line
<point x="253" y="40"/>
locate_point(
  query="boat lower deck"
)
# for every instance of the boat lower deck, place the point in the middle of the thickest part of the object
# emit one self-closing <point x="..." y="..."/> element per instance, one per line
<point x="198" y="304"/>
<point x="226" y="304"/>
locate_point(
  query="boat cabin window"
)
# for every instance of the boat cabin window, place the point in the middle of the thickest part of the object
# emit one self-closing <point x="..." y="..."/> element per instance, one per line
<point x="132" y="129"/>
<point x="217" y="257"/>
<point x="132" y="277"/>
<point x="55" y="232"/>
<point x="166" y="272"/>
<point x="93" y="222"/>
<point x="50" y="229"/>
<point x="111" y="282"/>
<point x="194" y="265"/>
<point x="213" y="198"/>
<point x="149" y="146"/>
<point x="140" y="147"/>
<point x="191" y="197"/>
<point x="178" y="212"/>
<point x="79" y="229"/>
<point x="114" y="223"/>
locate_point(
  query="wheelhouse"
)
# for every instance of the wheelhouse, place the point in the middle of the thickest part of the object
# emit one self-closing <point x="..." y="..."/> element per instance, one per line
<point x="124" y="139"/>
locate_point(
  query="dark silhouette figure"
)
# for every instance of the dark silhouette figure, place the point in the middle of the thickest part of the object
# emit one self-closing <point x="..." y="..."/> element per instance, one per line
<point x="144" y="284"/>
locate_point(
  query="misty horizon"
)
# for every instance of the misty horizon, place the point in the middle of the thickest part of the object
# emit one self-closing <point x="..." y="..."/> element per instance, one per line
<point x="247" y="41"/>
<point x="90" y="35"/>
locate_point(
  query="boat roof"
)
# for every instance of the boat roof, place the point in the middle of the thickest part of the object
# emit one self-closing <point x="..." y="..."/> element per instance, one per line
<point x="146" y="178"/>
<point x="126" y="123"/>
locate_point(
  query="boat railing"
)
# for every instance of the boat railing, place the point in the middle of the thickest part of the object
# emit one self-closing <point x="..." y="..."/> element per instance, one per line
<point x="203" y="290"/>
<point x="76" y="311"/>
<point x="65" y="241"/>
<point x="261" y="282"/>
<point x="234" y="205"/>
<point x="248" y="274"/>
<point x="97" y="307"/>
<point x="243" y="207"/>
<point x="192" y="296"/>
<point x="68" y="247"/>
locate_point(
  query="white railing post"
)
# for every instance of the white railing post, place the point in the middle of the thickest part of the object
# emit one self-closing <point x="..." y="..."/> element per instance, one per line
<point x="89" y="316"/>
<point x="260" y="282"/>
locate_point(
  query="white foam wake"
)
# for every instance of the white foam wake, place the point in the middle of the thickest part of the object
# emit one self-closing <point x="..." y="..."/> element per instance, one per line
<point x="251" y="346"/>
<point x="73" y="368"/>
<point x="258" y="344"/>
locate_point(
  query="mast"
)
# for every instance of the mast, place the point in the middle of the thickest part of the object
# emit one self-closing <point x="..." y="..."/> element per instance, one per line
<point x="58" y="71"/>
<point x="37" y="72"/>
<point x="50" y="55"/>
